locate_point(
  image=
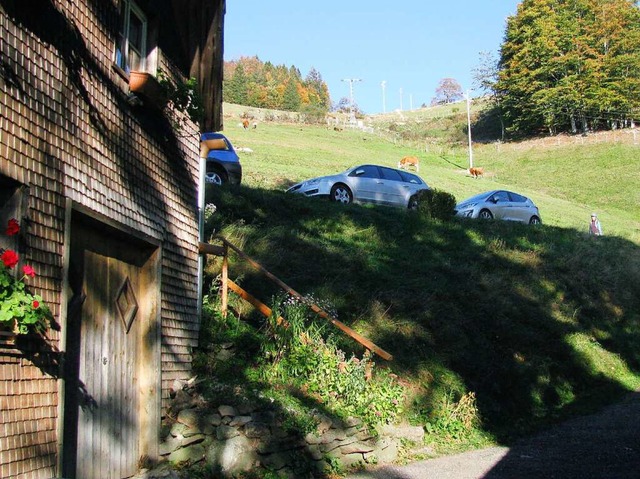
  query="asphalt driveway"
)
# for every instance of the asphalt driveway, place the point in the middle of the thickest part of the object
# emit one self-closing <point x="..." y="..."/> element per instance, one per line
<point x="605" y="445"/>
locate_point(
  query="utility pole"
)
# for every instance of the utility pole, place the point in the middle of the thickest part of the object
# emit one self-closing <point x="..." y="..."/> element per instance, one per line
<point x="352" y="116"/>
<point x="400" y="99"/>
<point x="469" y="128"/>
<point x="384" y="104"/>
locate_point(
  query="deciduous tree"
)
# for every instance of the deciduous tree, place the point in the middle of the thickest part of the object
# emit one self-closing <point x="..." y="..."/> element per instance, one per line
<point x="448" y="91"/>
<point x="569" y="65"/>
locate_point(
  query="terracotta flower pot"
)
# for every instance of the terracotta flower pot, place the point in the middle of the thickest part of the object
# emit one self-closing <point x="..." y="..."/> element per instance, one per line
<point x="147" y="87"/>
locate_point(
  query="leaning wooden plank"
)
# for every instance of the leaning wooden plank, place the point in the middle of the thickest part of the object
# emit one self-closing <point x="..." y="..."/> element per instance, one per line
<point x="361" y="339"/>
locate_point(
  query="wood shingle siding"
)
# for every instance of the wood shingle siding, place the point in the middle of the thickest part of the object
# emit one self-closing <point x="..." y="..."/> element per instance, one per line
<point x="69" y="134"/>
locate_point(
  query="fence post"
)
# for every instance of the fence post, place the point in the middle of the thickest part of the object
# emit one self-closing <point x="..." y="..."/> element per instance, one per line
<point x="225" y="280"/>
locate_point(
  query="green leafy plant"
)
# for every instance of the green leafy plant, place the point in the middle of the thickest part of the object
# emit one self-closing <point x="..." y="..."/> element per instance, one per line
<point x="20" y="310"/>
<point x="184" y="97"/>
<point x="299" y="353"/>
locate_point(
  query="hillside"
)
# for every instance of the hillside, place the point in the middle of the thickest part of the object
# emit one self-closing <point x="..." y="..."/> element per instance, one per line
<point x="496" y="329"/>
<point x="568" y="177"/>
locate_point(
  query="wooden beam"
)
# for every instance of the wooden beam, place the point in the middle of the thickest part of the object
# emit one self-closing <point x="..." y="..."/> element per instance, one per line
<point x="255" y="302"/>
<point x="206" y="248"/>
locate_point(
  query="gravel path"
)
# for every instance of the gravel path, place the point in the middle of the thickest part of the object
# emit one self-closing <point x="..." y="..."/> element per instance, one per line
<point x="605" y="445"/>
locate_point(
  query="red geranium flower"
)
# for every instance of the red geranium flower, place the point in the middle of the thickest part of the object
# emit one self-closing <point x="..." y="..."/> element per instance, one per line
<point x="35" y="304"/>
<point x="29" y="271"/>
<point x="9" y="258"/>
<point x="13" y="228"/>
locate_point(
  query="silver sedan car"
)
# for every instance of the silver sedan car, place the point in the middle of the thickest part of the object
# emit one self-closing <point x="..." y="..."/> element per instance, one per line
<point x="500" y="204"/>
<point x="366" y="184"/>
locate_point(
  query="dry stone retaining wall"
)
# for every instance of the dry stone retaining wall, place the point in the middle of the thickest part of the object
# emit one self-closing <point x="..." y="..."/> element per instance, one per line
<point x="244" y="438"/>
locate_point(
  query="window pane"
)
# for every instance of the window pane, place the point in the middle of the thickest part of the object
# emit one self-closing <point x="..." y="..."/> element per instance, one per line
<point x="410" y="178"/>
<point x="131" y="49"/>
<point x="501" y="196"/>
<point x="135" y="32"/>
<point x="366" y="171"/>
<point x="516" y="198"/>
<point x="389" y="174"/>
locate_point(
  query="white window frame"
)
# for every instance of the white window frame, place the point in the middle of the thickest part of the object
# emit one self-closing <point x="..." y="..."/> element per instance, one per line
<point x="147" y="55"/>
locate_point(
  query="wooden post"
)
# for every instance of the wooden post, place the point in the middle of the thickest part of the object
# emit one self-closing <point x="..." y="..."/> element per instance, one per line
<point x="225" y="281"/>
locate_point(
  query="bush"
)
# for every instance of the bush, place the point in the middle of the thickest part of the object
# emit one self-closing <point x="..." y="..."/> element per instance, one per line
<point x="436" y="204"/>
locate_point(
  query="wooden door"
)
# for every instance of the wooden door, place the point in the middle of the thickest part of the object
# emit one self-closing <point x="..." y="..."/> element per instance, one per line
<point x="107" y="346"/>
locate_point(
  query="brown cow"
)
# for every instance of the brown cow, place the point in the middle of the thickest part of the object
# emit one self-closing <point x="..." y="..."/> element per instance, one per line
<point x="476" y="172"/>
<point x="245" y="123"/>
<point x="408" y="161"/>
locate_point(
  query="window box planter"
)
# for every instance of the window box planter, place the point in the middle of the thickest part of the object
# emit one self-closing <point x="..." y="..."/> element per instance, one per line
<point x="147" y="87"/>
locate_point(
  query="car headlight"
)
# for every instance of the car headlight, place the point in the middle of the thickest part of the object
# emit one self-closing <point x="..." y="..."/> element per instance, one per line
<point x="312" y="182"/>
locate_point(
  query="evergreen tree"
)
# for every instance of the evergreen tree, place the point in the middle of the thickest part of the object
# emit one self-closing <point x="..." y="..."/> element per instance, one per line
<point x="235" y="91"/>
<point x="291" y="97"/>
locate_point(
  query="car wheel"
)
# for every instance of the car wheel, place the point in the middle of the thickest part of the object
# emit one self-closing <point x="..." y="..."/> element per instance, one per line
<point x="534" y="220"/>
<point x="413" y="203"/>
<point x="485" y="215"/>
<point x="214" y="178"/>
<point x="341" y="194"/>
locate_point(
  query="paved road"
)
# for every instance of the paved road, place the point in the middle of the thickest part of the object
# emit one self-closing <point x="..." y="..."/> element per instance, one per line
<point x="605" y="445"/>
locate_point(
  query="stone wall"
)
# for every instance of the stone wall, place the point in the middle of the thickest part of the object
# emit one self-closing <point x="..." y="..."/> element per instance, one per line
<point x="236" y="438"/>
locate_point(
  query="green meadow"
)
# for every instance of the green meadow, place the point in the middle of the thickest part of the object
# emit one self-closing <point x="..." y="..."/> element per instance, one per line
<point x="496" y="329"/>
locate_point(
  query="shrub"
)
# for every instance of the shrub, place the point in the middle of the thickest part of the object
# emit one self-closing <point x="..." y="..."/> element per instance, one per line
<point x="436" y="204"/>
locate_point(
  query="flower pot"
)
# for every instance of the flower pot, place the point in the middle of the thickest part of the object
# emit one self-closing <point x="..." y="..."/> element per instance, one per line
<point x="147" y="87"/>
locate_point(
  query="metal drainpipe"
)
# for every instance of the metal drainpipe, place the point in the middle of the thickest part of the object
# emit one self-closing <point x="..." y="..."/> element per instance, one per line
<point x="201" y="257"/>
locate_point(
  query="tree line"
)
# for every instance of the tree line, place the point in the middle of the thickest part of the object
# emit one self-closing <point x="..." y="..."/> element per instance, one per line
<point x="252" y="82"/>
<point x="566" y="65"/>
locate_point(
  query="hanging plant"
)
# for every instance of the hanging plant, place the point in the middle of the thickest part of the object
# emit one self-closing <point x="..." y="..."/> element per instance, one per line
<point x="184" y="98"/>
<point x="21" y="311"/>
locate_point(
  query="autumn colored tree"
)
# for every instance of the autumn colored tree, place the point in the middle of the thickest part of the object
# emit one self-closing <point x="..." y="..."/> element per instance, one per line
<point x="249" y="81"/>
<point x="569" y="65"/>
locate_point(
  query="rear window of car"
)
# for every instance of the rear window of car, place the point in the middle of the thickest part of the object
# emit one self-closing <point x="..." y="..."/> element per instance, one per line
<point x="410" y="178"/>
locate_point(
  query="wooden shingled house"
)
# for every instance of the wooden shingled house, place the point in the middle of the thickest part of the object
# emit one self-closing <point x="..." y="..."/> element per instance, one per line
<point x="103" y="181"/>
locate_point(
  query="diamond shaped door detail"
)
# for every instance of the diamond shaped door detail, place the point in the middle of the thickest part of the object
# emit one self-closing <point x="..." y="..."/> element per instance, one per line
<point x="126" y="304"/>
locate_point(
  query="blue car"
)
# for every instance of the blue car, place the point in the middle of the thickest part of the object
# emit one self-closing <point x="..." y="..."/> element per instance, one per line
<point x="223" y="163"/>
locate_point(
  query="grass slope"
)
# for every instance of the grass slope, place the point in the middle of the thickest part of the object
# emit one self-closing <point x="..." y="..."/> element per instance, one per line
<point x="539" y="323"/>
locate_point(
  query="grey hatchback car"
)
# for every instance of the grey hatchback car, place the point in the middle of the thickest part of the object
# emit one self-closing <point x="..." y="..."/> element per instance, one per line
<point x="501" y="205"/>
<point x="366" y="184"/>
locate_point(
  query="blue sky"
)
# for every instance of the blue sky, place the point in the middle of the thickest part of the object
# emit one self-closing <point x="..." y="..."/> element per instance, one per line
<point x="409" y="44"/>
